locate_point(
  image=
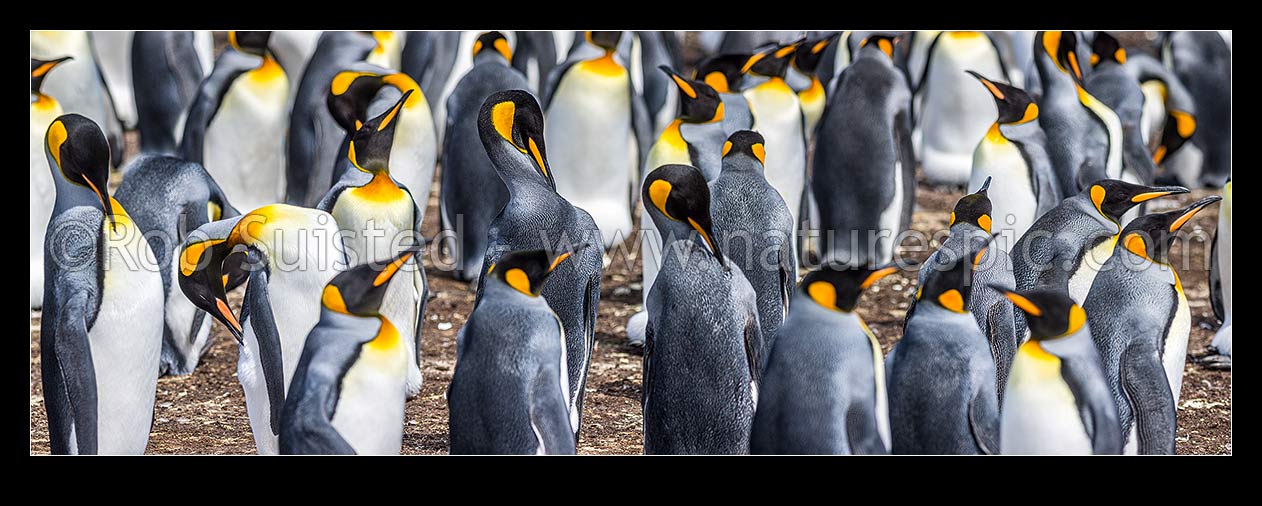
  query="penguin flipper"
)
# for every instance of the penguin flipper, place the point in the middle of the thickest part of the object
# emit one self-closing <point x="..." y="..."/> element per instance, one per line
<point x="1152" y="403"/>
<point x="646" y="384"/>
<point x="907" y="159"/>
<point x="1095" y="403"/>
<point x="306" y="422"/>
<point x="549" y="415"/>
<point x="1216" y="282"/>
<point x="210" y="94"/>
<point x="862" y="434"/>
<point x="754" y="348"/>
<point x="264" y="325"/>
<point x="1002" y="347"/>
<point x="554" y="80"/>
<point x="983" y="421"/>
<point x="642" y="127"/>
<point x="78" y="375"/>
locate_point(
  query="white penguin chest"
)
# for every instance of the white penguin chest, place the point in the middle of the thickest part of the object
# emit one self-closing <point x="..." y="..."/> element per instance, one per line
<point x="1013" y="205"/>
<point x="1040" y="415"/>
<point x="370" y="408"/>
<point x="590" y="119"/>
<point x="244" y="146"/>
<point x="1082" y="278"/>
<point x="777" y="113"/>
<point x="1174" y="354"/>
<point x="42" y="192"/>
<point x="372" y="219"/>
<point x="414" y="152"/>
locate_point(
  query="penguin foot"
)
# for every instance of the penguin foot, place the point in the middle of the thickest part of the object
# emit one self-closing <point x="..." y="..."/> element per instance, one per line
<point x="636" y="326"/>
<point x="1211" y="359"/>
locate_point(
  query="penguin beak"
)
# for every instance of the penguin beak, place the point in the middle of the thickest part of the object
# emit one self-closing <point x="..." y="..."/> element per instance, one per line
<point x="565" y="256"/>
<point x="107" y="204"/>
<point x="680" y="81"/>
<point x="1158" y="192"/>
<point x="225" y="315"/>
<point x="1018" y="300"/>
<point x="707" y="233"/>
<point x="990" y="86"/>
<point x="42" y="70"/>
<point x="393" y="267"/>
<point x="985" y="187"/>
<point x="1191" y="211"/>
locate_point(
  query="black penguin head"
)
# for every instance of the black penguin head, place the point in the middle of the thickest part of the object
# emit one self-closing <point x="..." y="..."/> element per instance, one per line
<point x="370" y="147"/>
<point x="698" y="102"/>
<point x="527" y="270"/>
<point x="493" y="41"/>
<point x="772" y="61"/>
<point x="748" y="143"/>
<point x="722" y="72"/>
<point x="604" y="40"/>
<point x="1062" y="48"/>
<point x="1150" y="236"/>
<point x="40" y="68"/>
<point x="838" y="287"/>
<point x="350" y="92"/>
<point x="1015" y="105"/>
<point x="514" y="117"/>
<point x="973" y="208"/>
<point x="1178" y="129"/>
<point x="950" y="285"/>
<point x="1112" y="197"/>
<point x="678" y="193"/>
<point x="210" y="266"/>
<point x="1050" y="313"/>
<point x="1105" y="48"/>
<point x="808" y="55"/>
<point x="881" y="41"/>
<point x="254" y="43"/>
<point x="359" y="290"/>
<point x="80" y="156"/>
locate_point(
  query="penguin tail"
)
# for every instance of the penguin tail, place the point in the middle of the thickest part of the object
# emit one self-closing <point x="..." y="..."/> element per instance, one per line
<point x="637" y="325"/>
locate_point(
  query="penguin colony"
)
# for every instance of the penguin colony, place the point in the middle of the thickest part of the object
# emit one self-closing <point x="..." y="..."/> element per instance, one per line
<point x="771" y="180"/>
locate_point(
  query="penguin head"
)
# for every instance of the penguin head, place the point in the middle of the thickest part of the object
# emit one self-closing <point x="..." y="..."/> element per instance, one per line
<point x="748" y="143"/>
<point x="698" y="102"/>
<point x="838" y="287"/>
<point x="359" y="290"/>
<point x="1150" y="236"/>
<point x="1062" y="47"/>
<point x="254" y="43"/>
<point x="79" y="156"/>
<point x="513" y="118"/>
<point x="884" y="42"/>
<point x="40" y="69"/>
<point x="493" y="41"/>
<point x="722" y="72"/>
<point x="974" y="209"/>
<point x="350" y="92"/>
<point x="527" y="270"/>
<point x="1105" y="48"/>
<point x="1015" y="105"/>
<point x="604" y="40"/>
<point x="772" y="61"/>
<point x="949" y="285"/>
<point x="369" y="150"/>
<point x="1050" y="313"/>
<point x="678" y="194"/>
<point x="1113" y="197"/>
<point x="808" y="55"/>
<point x="210" y="266"/>
<point x="1178" y="129"/>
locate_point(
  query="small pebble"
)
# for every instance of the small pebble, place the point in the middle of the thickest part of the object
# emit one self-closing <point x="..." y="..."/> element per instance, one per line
<point x="444" y="326"/>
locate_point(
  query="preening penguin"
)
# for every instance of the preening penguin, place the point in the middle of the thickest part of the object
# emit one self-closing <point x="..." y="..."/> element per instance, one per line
<point x="1202" y="62"/>
<point x="522" y="408"/>
<point x="236" y="125"/>
<point x="167" y="198"/>
<point x="823" y="391"/>
<point x="288" y="254"/>
<point x="471" y="193"/>
<point x="954" y="111"/>
<point x="942" y="378"/>
<point x="44" y="109"/>
<point x="1083" y="134"/>
<point x="379" y="217"/>
<point x="1120" y="91"/>
<point x="702" y="347"/>
<point x="100" y="337"/>
<point x="348" y="390"/>
<point x="80" y="86"/>
<point x="166" y="75"/>
<point x="1140" y="321"/>
<point x="1014" y="154"/>
<point x="1168" y="118"/>
<point x="723" y="73"/>
<point x="595" y="148"/>
<point x="1057" y="401"/>
<point x="536" y="217"/>
<point x="863" y="176"/>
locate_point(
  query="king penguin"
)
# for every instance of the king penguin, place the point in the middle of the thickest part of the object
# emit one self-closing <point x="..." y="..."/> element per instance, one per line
<point x="1014" y="153"/>
<point x="378" y="216"/>
<point x="1058" y="400"/>
<point x="863" y="174"/>
<point x="1120" y="91"/>
<point x="314" y="137"/>
<point x="287" y="254"/>
<point x="44" y="109"/>
<point x="777" y="114"/>
<point x="511" y="126"/>
<point x="1202" y="62"/>
<point x="236" y="125"/>
<point x="755" y="227"/>
<point x="1168" y="118"/>
<point x="1140" y="320"/>
<point x="522" y="409"/>
<point x="347" y="395"/>
<point x="590" y="108"/>
<point x="723" y="73"/>
<point x="824" y="387"/>
<point x="1083" y="134"/>
<point x="100" y="337"/>
<point x="806" y="60"/>
<point x="80" y="87"/>
<point x="942" y="393"/>
<point x="471" y="193"/>
<point x="703" y="345"/>
<point x="1220" y="282"/>
<point x="166" y="75"/>
<point x="955" y="112"/>
<point x="695" y="138"/>
<point x="167" y="198"/>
